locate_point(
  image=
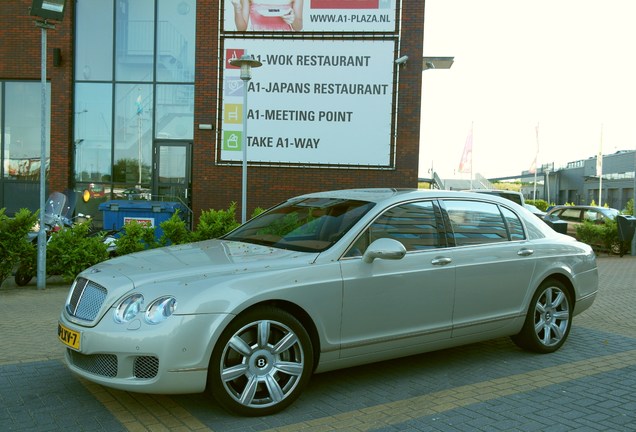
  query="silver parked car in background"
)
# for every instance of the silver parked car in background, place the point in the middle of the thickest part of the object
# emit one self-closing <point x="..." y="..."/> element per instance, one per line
<point x="325" y="281"/>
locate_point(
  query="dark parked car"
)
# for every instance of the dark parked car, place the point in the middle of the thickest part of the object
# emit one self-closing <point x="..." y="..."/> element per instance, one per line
<point x="576" y="215"/>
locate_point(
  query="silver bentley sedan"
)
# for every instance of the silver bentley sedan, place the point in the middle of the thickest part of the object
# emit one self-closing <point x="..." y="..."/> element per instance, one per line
<point x="325" y="281"/>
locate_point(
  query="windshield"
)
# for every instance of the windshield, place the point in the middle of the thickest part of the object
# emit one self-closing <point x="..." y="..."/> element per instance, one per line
<point x="306" y="225"/>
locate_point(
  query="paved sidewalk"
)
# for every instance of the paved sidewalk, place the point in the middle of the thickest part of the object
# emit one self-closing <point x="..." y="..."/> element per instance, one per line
<point x="588" y="385"/>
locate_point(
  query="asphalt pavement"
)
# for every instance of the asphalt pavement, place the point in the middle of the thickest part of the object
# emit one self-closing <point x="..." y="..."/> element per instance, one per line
<point x="588" y="385"/>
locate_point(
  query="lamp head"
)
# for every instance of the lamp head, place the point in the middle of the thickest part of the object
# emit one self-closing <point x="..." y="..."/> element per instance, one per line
<point x="48" y="9"/>
<point x="246" y="63"/>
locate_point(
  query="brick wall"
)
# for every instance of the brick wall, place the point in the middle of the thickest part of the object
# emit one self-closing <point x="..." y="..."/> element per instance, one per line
<point x="20" y="51"/>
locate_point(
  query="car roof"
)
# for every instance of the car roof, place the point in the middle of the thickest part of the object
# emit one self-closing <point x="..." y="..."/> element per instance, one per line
<point x="390" y="194"/>
<point x="583" y="207"/>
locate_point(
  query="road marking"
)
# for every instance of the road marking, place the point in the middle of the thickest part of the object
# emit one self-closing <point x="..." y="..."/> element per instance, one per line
<point x="457" y="397"/>
<point x="144" y="412"/>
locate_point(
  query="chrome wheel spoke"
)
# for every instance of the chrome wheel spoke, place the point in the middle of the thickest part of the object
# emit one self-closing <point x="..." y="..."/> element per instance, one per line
<point x="540" y="325"/>
<point x="263" y="333"/>
<point x="285" y="343"/>
<point x="555" y="330"/>
<point x="289" y="368"/>
<point x="558" y="301"/>
<point x="234" y="372"/>
<point x="240" y="346"/>
<point x="274" y="390"/>
<point x="249" y="391"/>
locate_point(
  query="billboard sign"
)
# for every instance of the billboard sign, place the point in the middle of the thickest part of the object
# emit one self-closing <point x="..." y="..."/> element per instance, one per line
<point x="326" y="102"/>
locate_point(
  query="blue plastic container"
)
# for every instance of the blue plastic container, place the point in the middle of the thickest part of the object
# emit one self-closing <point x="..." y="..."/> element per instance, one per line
<point x="118" y="212"/>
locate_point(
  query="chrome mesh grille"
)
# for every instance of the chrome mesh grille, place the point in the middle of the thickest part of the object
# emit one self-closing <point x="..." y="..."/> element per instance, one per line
<point x="98" y="364"/>
<point x="146" y="367"/>
<point x="86" y="299"/>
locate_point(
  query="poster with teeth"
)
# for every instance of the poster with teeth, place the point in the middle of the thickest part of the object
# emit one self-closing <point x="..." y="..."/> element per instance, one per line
<point x="322" y="16"/>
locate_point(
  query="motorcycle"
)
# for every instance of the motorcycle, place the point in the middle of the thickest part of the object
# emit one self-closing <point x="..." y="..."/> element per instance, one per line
<point x="58" y="213"/>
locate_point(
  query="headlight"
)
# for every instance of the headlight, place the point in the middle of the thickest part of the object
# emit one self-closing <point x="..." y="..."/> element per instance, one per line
<point x="128" y="308"/>
<point x="160" y="309"/>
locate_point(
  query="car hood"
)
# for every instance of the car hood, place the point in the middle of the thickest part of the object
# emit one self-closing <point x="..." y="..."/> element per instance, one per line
<point x="206" y="259"/>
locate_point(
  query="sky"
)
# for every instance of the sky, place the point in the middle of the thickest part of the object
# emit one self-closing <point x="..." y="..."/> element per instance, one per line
<point x="566" y="68"/>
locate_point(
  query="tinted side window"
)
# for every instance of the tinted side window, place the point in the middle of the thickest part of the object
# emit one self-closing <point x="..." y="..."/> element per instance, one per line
<point x="475" y="222"/>
<point x="417" y="226"/>
<point x="573" y="215"/>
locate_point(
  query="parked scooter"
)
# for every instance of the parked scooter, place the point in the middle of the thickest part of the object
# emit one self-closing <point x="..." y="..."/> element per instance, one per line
<point x="57" y="216"/>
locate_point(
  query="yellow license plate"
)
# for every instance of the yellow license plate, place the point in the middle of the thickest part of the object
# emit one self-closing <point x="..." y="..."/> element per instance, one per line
<point x="68" y="337"/>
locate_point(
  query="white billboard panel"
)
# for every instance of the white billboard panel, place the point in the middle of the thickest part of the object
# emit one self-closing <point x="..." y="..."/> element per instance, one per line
<point x="320" y="16"/>
<point x="312" y="102"/>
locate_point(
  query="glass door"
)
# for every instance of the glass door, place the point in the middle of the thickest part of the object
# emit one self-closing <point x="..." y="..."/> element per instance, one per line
<point x="172" y="172"/>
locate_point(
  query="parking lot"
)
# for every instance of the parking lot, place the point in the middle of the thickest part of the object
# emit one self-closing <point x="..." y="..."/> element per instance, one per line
<point x="588" y="385"/>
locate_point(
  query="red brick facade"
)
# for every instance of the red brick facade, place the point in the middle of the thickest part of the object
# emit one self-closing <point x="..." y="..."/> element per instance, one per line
<point x="20" y="51"/>
<point x="213" y="186"/>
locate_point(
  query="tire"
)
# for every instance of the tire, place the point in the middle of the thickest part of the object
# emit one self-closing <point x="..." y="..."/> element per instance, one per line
<point x="261" y="362"/>
<point x="549" y="319"/>
<point x="23" y="275"/>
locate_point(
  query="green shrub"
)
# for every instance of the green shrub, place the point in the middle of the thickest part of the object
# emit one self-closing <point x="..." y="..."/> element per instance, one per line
<point x="175" y="231"/>
<point x="14" y="244"/>
<point x="135" y="237"/>
<point x="72" y="250"/>
<point x="540" y="204"/>
<point x="215" y="223"/>
<point x="599" y="235"/>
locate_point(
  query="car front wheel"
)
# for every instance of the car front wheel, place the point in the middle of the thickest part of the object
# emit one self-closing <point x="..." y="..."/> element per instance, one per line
<point x="548" y="320"/>
<point x="261" y="362"/>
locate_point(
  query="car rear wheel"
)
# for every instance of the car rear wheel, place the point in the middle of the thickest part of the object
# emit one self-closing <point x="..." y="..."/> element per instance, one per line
<point x="548" y="320"/>
<point x="261" y="362"/>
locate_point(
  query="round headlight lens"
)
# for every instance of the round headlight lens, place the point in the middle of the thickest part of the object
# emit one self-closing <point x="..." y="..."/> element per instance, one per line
<point x="128" y="308"/>
<point x="159" y="310"/>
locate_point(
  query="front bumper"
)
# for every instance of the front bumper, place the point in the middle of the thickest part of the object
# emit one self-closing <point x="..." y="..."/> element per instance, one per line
<point x="168" y="358"/>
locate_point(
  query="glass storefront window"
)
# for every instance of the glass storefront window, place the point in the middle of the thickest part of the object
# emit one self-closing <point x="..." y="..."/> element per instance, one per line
<point x="94" y="40"/>
<point x="93" y="129"/>
<point x="176" y="27"/>
<point x="175" y="112"/>
<point x="133" y="134"/>
<point x="22" y="130"/>
<point x="135" y="40"/>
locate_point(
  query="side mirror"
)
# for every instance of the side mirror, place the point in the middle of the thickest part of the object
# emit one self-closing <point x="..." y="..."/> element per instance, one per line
<point x="384" y="248"/>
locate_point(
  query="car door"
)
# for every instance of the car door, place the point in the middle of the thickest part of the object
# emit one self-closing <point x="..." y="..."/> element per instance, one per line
<point x="399" y="304"/>
<point x="494" y="266"/>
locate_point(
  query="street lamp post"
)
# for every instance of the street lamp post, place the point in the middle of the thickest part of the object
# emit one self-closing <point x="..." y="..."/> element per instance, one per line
<point x="246" y="63"/>
<point x="44" y="9"/>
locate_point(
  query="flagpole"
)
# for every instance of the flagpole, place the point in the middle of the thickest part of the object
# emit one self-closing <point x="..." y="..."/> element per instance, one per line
<point x="536" y="156"/>
<point x="599" y="169"/>
<point x="472" y="139"/>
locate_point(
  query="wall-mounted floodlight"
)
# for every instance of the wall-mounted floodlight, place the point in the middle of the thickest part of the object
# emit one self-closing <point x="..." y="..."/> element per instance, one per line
<point x="48" y="9"/>
<point x="437" y="62"/>
<point x="401" y="60"/>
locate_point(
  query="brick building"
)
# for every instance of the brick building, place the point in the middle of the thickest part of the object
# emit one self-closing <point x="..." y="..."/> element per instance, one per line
<point x="142" y="102"/>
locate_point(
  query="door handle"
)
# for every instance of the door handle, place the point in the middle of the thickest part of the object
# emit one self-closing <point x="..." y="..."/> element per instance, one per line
<point x="525" y="252"/>
<point x="441" y="261"/>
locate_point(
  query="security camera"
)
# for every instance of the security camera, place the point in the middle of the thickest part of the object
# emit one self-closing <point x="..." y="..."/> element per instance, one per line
<point x="401" y="60"/>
